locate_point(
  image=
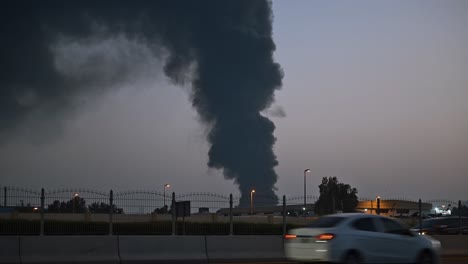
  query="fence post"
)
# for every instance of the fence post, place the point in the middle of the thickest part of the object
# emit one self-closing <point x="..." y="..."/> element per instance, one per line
<point x="420" y="216"/>
<point x="111" y="211"/>
<point x="378" y="205"/>
<point x="42" y="211"/>
<point x="173" y="214"/>
<point x="5" y="196"/>
<point x="284" y="215"/>
<point x="231" y="226"/>
<point x="459" y="218"/>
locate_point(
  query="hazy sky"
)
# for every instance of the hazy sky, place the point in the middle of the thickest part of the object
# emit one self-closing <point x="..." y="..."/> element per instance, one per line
<point x="373" y="93"/>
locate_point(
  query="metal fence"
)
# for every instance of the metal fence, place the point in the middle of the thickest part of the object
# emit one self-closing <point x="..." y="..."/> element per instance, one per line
<point x="135" y="202"/>
<point x="85" y="211"/>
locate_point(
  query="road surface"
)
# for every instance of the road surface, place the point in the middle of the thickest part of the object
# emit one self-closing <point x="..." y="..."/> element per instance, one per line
<point x="444" y="260"/>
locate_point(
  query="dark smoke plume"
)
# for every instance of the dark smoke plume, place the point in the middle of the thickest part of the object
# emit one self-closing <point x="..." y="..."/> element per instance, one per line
<point x="223" y="48"/>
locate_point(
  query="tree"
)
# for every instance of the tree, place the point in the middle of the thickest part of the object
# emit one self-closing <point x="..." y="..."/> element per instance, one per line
<point x="335" y="196"/>
<point x="463" y="210"/>
<point x="75" y="205"/>
<point x="103" y="208"/>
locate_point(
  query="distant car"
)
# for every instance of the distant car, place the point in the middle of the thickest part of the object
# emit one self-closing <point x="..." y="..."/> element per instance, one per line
<point x="442" y="226"/>
<point x="359" y="238"/>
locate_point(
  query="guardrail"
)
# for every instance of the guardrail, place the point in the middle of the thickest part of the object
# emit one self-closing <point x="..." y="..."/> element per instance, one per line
<point x="159" y="249"/>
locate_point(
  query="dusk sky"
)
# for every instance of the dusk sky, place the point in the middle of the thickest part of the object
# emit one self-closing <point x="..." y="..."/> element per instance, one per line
<point x="373" y="93"/>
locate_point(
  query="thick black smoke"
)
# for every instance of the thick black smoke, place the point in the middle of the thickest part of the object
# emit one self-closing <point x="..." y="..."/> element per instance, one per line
<point x="223" y="48"/>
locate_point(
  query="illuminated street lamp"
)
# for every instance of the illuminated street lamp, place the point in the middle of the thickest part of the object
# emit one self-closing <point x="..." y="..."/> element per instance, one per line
<point x="251" y="201"/>
<point x="74" y="198"/>
<point x="164" y="194"/>
<point x="378" y="205"/>
<point x="305" y="192"/>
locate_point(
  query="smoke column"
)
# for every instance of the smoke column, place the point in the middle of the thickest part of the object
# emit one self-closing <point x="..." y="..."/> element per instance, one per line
<point x="223" y="48"/>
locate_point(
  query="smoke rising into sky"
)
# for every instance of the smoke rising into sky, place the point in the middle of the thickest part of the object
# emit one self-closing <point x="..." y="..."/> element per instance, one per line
<point x="223" y="49"/>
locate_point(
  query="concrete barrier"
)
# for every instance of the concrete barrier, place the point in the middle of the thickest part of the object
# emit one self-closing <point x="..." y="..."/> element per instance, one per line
<point x="453" y="244"/>
<point x="10" y="250"/>
<point x="162" y="249"/>
<point x="69" y="249"/>
<point x="242" y="248"/>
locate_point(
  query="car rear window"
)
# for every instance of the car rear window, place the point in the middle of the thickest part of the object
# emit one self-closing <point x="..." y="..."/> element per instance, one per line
<point x="326" y="222"/>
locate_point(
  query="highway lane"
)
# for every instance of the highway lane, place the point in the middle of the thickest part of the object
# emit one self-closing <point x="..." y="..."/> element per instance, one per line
<point x="455" y="260"/>
<point x="444" y="260"/>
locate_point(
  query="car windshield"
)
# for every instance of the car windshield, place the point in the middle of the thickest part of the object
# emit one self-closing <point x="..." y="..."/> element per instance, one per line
<point x="326" y="222"/>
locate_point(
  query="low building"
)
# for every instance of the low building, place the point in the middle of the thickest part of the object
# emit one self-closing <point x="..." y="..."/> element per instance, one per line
<point x="394" y="208"/>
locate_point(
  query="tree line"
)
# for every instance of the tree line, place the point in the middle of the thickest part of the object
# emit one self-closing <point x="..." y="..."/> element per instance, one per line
<point x="78" y="205"/>
<point x="74" y="205"/>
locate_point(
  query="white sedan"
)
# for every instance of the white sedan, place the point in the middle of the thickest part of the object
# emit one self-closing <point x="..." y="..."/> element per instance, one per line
<point x="359" y="238"/>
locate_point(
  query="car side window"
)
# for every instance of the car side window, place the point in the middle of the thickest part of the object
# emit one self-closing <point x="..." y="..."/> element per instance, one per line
<point x="393" y="227"/>
<point x="364" y="224"/>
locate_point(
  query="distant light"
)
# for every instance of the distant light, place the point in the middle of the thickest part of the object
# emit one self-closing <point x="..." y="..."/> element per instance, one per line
<point x="365" y="210"/>
<point x="75" y="194"/>
<point x="35" y="208"/>
<point x="303" y="208"/>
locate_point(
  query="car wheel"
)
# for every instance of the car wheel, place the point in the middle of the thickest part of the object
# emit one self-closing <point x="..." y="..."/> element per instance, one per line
<point x="426" y="258"/>
<point x="352" y="258"/>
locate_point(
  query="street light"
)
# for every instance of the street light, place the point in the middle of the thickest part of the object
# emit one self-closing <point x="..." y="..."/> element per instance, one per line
<point x="74" y="198"/>
<point x="164" y="195"/>
<point x="251" y="201"/>
<point x="378" y="205"/>
<point x="305" y="192"/>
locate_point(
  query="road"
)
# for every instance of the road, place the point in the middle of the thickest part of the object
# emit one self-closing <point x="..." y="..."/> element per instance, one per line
<point x="444" y="260"/>
<point x="455" y="260"/>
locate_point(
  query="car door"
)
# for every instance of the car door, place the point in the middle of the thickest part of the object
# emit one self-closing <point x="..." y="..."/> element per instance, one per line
<point x="398" y="242"/>
<point x="367" y="239"/>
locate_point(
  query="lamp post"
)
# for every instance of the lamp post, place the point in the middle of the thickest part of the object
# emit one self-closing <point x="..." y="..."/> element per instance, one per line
<point x="378" y="205"/>
<point x="305" y="188"/>
<point x="164" y="195"/>
<point x="73" y="204"/>
<point x="251" y="201"/>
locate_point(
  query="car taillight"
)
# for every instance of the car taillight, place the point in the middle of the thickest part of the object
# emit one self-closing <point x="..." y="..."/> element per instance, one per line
<point x="326" y="236"/>
<point x="290" y="236"/>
